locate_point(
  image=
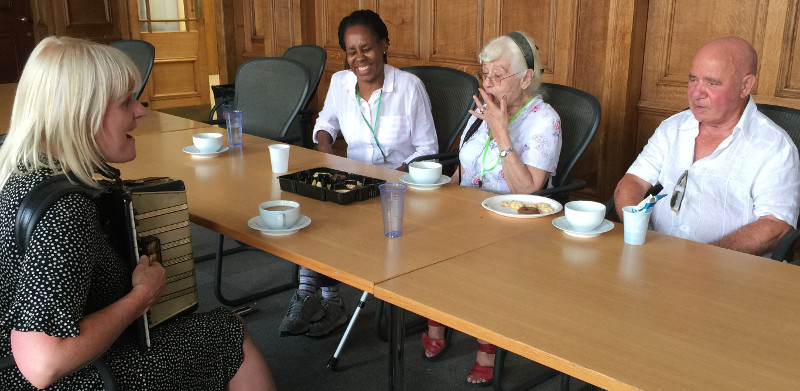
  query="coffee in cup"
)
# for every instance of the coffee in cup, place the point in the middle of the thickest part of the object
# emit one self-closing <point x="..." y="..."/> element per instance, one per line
<point x="279" y="214"/>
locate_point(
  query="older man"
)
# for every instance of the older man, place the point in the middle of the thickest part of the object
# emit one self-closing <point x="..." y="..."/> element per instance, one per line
<point x="732" y="176"/>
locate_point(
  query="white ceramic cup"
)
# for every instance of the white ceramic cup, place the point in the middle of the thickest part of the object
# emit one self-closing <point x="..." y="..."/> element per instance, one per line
<point x="584" y="216"/>
<point x="207" y="142"/>
<point x="279" y="214"/>
<point x="425" y="173"/>
<point x="279" y="157"/>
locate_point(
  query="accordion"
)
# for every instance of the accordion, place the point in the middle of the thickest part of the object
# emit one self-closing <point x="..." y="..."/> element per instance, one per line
<point x="141" y="217"/>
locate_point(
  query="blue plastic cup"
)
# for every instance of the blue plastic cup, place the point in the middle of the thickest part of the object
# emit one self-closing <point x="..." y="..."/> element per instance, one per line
<point x="393" y="197"/>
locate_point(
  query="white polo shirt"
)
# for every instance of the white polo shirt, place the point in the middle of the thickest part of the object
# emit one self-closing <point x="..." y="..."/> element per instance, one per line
<point x="405" y="126"/>
<point x="752" y="173"/>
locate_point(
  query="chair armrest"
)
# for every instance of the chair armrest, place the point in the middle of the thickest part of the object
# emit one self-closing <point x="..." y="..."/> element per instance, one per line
<point x="571" y="185"/>
<point x="445" y="158"/>
<point x="286" y="139"/>
<point x="214" y="111"/>
<point x="783" y="250"/>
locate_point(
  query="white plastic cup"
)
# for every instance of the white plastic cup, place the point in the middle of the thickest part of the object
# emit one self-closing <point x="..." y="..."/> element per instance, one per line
<point x="234" y="120"/>
<point x="393" y="197"/>
<point x="634" y="225"/>
<point x="279" y="214"/>
<point x="279" y="157"/>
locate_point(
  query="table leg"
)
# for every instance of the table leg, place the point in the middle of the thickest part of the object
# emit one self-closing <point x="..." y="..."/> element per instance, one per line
<point x="397" y="334"/>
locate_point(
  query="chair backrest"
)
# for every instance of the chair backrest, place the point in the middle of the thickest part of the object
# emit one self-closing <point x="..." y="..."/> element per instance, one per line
<point x="787" y="118"/>
<point x="314" y="58"/>
<point x="142" y="53"/>
<point x="580" y="116"/>
<point x="450" y="92"/>
<point x="270" y="91"/>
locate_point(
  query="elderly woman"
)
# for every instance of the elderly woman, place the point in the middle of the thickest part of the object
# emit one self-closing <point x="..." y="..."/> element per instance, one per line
<point x="64" y="303"/>
<point x="385" y="117"/>
<point x="511" y="146"/>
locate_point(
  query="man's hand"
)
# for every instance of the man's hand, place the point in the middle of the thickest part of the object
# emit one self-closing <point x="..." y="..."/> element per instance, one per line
<point x="324" y="142"/>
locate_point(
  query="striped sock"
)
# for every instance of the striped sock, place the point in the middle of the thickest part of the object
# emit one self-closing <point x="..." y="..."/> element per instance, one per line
<point x="331" y="292"/>
<point x="308" y="282"/>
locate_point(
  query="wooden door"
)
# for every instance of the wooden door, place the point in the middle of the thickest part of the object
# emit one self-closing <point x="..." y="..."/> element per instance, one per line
<point x="176" y="30"/>
<point x="16" y="38"/>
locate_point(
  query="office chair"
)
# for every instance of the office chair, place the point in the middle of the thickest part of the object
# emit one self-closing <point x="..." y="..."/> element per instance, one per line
<point x="580" y="116"/>
<point x="142" y="53"/>
<point x="270" y="91"/>
<point x="314" y="58"/>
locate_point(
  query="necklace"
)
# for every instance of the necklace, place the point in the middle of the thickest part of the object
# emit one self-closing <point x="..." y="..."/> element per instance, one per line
<point x="375" y="122"/>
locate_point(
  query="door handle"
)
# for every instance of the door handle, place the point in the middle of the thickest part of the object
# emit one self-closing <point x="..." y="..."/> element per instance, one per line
<point x="23" y="19"/>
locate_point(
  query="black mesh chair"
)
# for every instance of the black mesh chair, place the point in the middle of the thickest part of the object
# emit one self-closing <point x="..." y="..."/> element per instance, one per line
<point x="270" y="91"/>
<point x="109" y="384"/>
<point x="789" y="119"/>
<point x="450" y="92"/>
<point x="314" y="58"/>
<point x="142" y="53"/>
<point x="580" y="116"/>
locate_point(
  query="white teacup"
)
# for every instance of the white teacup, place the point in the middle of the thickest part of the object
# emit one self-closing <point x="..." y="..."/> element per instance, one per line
<point x="425" y="173"/>
<point x="584" y="216"/>
<point x="279" y="214"/>
<point x="207" y="142"/>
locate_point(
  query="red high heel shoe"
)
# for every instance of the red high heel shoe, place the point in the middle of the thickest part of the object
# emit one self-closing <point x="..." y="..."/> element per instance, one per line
<point x="480" y="371"/>
<point x="436" y="346"/>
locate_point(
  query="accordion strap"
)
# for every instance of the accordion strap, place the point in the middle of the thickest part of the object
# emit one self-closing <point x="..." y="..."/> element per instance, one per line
<point x="35" y="204"/>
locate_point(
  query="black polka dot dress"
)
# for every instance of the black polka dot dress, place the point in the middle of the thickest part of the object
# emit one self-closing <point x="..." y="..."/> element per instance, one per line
<point x="69" y="270"/>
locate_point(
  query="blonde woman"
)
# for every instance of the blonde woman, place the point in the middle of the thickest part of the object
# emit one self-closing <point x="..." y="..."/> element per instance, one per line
<point x="63" y="304"/>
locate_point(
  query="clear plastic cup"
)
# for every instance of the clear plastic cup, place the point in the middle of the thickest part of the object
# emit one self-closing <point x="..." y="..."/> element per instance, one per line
<point x="234" y="120"/>
<point x="393" y="197"/>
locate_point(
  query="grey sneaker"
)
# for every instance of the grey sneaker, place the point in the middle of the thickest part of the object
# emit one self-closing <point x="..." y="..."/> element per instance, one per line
<point x="302" y="310"/>
<point x="335" y="316"/>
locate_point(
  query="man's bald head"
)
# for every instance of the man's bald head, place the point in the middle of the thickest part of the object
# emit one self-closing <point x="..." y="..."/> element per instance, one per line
<point x="739" y="52"/>
<point x="721" y="79"/>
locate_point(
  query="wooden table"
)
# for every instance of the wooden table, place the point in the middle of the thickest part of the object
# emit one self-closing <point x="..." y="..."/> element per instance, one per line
<point x="158" y="122"/>
<point x="345" y="242"/>
<point x="7" y="92"/>
<point x="668" y="315"/>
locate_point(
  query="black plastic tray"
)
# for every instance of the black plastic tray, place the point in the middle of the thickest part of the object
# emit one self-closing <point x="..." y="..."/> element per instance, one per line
<point x="327" y="184"/>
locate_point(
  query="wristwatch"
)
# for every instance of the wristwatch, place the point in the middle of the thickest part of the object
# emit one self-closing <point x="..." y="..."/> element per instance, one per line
<point x="505" y="152"/>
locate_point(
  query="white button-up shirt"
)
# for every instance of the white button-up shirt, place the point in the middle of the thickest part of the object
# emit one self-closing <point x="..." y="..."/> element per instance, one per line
<point x="754" y="172"/>
<point x="405" y="127"/>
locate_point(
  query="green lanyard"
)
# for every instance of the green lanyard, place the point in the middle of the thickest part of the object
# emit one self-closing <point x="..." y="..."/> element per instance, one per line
<point x="484" y="170"/>
<point x="375" y="123"/>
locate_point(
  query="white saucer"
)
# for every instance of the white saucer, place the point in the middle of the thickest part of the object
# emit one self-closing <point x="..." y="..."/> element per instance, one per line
<point x="192" y="150"/>
<point x="408" y="181"/>
<point x="256" y="223"/>
<point x="564" y="225"/>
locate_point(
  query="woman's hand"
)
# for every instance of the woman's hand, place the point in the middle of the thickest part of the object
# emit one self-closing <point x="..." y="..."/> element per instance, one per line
<point x="495" y="115"/>
<point x="324" y="142"/>
<point x="149" y="277"/>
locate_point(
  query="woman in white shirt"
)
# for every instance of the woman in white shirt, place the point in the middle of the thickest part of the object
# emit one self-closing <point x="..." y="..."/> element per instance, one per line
<point x="511" y="145"/>
<point x="383" y="113"/>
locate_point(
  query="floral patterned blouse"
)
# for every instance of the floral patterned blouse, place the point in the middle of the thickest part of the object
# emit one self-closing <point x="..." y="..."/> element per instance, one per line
<point x="535" y="134"/>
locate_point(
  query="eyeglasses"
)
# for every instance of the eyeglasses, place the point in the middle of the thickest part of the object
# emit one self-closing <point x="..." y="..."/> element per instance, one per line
<point x="678" y="192"/>
<point x="496" y="79"/>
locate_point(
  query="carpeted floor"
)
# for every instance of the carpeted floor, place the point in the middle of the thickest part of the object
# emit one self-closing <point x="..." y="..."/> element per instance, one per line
<point x="299" y="363"/>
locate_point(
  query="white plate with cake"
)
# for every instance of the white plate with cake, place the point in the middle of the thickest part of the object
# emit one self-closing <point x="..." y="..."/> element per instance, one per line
<point x="523" y="206"/>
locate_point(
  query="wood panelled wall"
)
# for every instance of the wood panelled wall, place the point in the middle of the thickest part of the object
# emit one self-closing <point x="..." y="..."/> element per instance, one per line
<point x="633" y="55"/>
